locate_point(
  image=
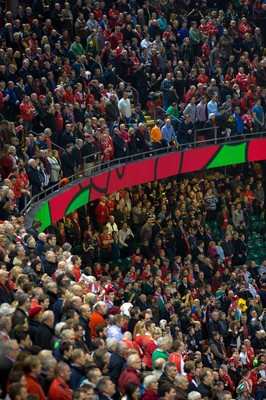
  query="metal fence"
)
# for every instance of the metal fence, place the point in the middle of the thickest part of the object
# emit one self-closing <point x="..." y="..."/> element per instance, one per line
<point x="159" y="112"/>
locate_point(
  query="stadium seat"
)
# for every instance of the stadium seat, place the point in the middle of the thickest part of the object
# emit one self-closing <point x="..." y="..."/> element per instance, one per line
<point x="254" y="218"/>
<point x="256" y="227"/>
<point x="259" y="244"/>
<point x="255" y="236"/>
<point x="253" y="254"/>
<point x="261" y="254"/>
<point x="251" y="245"/>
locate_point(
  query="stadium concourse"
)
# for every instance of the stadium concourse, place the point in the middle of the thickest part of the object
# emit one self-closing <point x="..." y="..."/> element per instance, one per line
<point x="155" y="291"/>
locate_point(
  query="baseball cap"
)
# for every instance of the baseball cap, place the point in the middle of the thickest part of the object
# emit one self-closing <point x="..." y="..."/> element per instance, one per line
<point x="6" y="310"/>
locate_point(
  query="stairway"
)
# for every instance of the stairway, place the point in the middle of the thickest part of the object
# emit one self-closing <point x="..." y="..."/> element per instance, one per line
<point x="149" y="121"/>
<point x="149" y="118"/>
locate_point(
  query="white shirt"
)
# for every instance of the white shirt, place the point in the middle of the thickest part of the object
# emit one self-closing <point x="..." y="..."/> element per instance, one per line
<point x="126" y="106"/>
<point x="112" y="227"/>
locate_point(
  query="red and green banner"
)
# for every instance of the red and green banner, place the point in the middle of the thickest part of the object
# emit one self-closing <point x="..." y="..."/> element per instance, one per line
<point x="80" y="192"/>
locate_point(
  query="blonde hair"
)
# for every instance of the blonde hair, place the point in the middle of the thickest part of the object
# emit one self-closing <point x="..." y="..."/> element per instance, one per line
<point x="139" y="329"/>
<point x="15" y="272"/>
<point x="157" y="331"/>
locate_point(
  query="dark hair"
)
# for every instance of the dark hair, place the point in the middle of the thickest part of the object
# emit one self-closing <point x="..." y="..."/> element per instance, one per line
<point x="99" y="328"/>
<point x="96" y="343"/>
<point x="134" y="311"/>
<point x="165" y="388"/>
<point x="20" y="332"/>
<point x="15" y="389"/>
<point x="130" y="389"/>
<point x="64" y="346"/>
<point x="77" y="392"/>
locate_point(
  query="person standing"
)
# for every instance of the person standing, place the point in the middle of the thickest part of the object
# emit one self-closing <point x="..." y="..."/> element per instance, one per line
<point x="124" y="104"/>
<point x="59" y="389"/>
<point x="258" y="116"/>
<point x="97" y="317"/>
<point x="211" y="203"/>
<point x="68" y="164"/>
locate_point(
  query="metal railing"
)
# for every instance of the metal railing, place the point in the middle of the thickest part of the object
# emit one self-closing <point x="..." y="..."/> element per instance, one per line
<point x="91" y="171"/>
<point x="201" y="131"/>
<point x="196" y="132"/>
<point x="53" y="143"/>
<point x="136" y="93"/>
<point x="156" y="114"/>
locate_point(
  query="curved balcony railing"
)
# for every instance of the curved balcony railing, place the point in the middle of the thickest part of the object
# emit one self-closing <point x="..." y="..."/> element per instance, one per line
<point x="54" y="203"/>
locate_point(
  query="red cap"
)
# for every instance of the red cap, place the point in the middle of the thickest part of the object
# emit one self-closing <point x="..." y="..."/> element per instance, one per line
<point x="234" y="298"/>
<point x="34" y="311"/>
<point x="109" y="288"/>
<point x="115" y="310"/>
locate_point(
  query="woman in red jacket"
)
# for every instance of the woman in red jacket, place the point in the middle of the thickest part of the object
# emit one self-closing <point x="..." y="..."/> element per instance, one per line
<point x="150" y="384"/>
<point x="244" y="27"/>
<point x="226" y="379"/>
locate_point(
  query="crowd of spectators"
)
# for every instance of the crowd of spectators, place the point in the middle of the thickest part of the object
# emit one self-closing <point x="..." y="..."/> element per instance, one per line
<point x="83" y="75"/>
<point x="149" y="292"/>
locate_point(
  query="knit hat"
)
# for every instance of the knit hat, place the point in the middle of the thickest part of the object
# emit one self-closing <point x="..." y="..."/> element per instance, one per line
<point x="115" y="310"/>
<point x="34" y="311"/>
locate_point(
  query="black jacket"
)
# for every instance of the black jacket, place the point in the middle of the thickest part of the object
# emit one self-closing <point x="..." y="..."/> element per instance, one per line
<point x="77" y="373"/>
<point x="164" y="379"/>
<point x="206" y="362"/>
<point x="5" y="294"/>
<point x="67" y="164"/>
<point x="66" y="138"/>
<point x="5" y="367"/>
<point x="213" y="326"/>
<point x="35" y="180"/>
<point x="112" y="111"/>
<point x="33" y="327"/>
<point x="88" y="149"/>
<point x="49" y="267"/>
<point x="117" y="365"/>
<point x="87" y="333"/>
<point x="20" y="318"/>
<point x="131" y="324"/>
<point x="119" y="146"/>
<point x="203" y="389"/>
<point x="142" y="145"/>
<point x="44" y="335"/>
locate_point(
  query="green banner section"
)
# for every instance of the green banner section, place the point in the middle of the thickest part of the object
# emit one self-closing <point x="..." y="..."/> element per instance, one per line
<point x="79" y="201"/>
<point x="229" y="154"/>
<point x="44" y="215"/>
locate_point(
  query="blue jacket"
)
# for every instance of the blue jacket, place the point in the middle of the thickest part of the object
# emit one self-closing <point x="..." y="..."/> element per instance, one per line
<point x="239" y="123"/>
<point x="77" y="375"/>
<point x="12" y="96"/>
